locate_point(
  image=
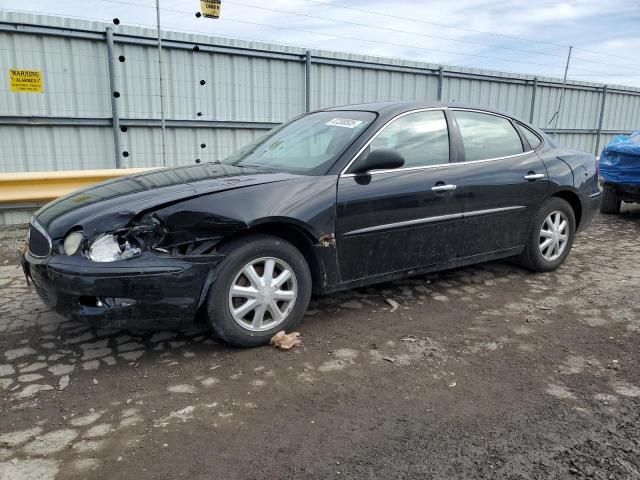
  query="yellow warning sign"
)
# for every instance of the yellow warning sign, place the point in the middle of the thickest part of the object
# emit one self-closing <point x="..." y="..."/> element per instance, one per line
<point x="29" y="81"/>
<point x="210" y="8"/>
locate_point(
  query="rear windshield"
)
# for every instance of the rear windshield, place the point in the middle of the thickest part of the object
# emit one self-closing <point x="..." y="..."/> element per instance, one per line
<point x="308" y="144"/>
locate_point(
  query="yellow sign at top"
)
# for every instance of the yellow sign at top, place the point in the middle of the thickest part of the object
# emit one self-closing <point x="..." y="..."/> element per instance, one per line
<point x="210" y="8"/>
<point x="26" y="81"/>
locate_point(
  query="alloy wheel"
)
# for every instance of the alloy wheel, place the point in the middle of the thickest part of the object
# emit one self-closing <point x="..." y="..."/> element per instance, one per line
<point x="263" y="294"/>
<point x="554" y="235"/>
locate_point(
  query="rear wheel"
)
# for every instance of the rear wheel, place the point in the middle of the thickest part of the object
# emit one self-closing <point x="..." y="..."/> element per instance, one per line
<point x="550" y="236"/>
<point x="610" y="202"/>
<point x="262" y="287"/>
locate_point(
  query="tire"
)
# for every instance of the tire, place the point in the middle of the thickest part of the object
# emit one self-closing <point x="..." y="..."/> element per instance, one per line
<point x="610" y="203"/>
<point x="532" y="257"/>
<point x="258" y="251"/>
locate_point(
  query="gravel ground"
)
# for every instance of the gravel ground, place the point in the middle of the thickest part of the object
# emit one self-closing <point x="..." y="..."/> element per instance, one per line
<point x="11" y="240"/>
<point x="482" y="372"/>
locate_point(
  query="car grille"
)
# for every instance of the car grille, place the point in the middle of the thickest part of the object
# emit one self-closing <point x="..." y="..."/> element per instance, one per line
<point x="39" y="243"/>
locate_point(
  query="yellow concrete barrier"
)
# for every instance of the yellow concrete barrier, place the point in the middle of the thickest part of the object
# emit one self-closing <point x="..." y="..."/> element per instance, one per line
<point x="39" y="187"/>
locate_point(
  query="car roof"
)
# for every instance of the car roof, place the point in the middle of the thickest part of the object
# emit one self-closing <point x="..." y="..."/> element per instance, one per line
<point x="387" y="107"/>
<point x="384" y="107"/>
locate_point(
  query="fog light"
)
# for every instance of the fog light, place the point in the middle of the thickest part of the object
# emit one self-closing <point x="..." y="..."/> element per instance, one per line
<point x="114" y="302"/>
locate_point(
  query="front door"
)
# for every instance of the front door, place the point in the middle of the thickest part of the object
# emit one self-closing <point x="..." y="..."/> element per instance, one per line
<point x="394" y="220"/>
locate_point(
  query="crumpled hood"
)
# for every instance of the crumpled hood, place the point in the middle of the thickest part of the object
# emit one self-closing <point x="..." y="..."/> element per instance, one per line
<point x="620" y="160"/>
<point x="112" y="204"/>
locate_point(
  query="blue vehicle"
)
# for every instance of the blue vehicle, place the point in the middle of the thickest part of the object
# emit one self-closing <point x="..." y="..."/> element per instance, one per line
<point x="620" y="172"/>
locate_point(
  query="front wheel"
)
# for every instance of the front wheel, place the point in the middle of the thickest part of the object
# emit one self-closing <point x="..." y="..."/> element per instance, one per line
<point x="262" y="287"/>
<point x="550" y="236"/>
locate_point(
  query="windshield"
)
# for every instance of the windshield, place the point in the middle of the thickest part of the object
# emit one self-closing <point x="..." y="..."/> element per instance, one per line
<point x="309" y="144"/>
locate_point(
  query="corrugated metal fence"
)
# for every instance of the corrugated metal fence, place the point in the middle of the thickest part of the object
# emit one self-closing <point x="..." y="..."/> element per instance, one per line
<point x="221" y="93"/>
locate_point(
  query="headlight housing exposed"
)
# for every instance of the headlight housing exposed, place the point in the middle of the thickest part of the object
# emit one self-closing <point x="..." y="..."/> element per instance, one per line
<point x="110" y="248"/>
<point x="72" y="242"/>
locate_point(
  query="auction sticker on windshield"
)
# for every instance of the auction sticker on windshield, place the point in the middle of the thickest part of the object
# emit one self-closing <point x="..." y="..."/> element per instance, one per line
<point x="344" y="122"/>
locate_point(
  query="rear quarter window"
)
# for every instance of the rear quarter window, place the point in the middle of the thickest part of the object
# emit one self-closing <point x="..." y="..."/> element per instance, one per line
<point x="533" y="139"/>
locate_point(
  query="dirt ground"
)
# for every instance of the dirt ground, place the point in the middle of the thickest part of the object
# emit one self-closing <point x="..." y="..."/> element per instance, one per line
<point x="482" y="372"/>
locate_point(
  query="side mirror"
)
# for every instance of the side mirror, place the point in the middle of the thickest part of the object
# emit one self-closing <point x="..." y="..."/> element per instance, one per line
<point x="380" y="159"/>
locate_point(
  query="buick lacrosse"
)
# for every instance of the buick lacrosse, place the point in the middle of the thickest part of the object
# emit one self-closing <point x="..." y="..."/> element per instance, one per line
<point x="333" y="199"/>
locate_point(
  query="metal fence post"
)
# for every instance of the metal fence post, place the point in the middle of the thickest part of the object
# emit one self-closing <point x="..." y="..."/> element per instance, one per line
<point x="440" y="81"/>
<point x="533" y="100"/>
<point x="163" y="125"/>
<point x="307" y="81"/>
<point x="115" y="113"/>
<point x="598" y="133"/>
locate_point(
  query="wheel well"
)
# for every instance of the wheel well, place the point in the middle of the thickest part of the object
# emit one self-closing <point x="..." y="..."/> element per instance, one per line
<point x="574" y="201"/>
<point x="294" y="235"/>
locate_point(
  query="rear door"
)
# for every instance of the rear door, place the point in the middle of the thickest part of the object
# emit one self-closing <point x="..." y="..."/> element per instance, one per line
<point x="502" y="179"/>
<point x="394" y="220"/>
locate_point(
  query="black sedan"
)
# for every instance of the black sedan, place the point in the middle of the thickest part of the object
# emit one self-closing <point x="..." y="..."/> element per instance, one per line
<point x="334" y="199"/>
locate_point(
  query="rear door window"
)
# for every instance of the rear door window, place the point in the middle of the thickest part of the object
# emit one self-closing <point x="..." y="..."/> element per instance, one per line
<point x="486" y="136"/>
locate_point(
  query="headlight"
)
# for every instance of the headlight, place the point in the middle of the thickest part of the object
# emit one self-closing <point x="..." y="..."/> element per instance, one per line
<point x="72" y="242"/>
<point x="109" y="248"/>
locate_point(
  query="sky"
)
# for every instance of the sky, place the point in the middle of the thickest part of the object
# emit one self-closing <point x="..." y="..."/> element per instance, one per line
<point x="517" y="36"/>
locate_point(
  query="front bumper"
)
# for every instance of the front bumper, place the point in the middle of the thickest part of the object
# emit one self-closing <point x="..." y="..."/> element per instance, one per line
<point x="147" y="286"/>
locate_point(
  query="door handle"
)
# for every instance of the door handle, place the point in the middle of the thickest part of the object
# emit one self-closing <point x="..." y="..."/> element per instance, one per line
<point x="534" y="176"/>
<point x="443" y="188"/>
